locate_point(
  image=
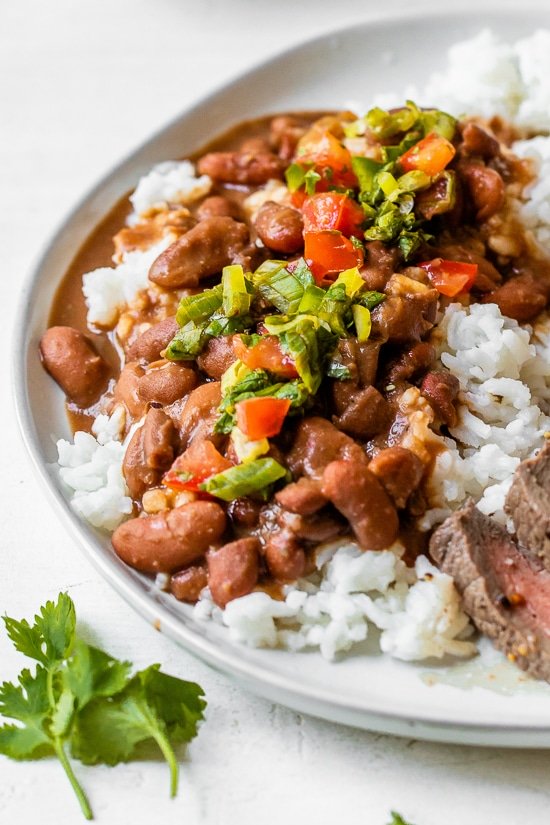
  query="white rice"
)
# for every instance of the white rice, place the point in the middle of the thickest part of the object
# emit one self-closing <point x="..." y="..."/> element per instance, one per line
<point x="417" y="611"/>
<point x="502" y="417"/>
<point x="91" y="469"/>
<point x="535" y="209"/>
<point x="171" y="182"/>
<point x="108" y="289"/>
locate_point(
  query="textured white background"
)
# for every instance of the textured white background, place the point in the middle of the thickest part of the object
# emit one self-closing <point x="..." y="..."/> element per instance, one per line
<point x="82" y="81"/>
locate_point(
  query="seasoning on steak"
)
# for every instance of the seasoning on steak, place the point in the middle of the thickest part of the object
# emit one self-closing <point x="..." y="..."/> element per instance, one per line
<point x="506" y="594"/>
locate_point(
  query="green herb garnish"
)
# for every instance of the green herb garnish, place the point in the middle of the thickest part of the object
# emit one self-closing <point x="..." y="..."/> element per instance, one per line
<point x="244" y="479"/>
<point x="83" y="701"/>
<point x="388" y="197"/>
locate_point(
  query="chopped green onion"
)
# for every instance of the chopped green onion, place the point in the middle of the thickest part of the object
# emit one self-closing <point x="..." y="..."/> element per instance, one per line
<point x="365" y="171"/>
<point x="199" y="307"/>
<point x="251" y="340"/>
<point x="351" y="280"/>
<point x="334" y="307"/>
<point x="354" y="129"/>
<point x="281" y="288"/>
<point x="236" y="292"/>
<point x="411" y="181"/>
<point x="245" y="449"/>
<point x="362" y="321"/>
<point x="336" y="369"/>
<point x="383" y="124"/>
<point x="406" y="204"/>
<point x="244" y="479"/>
<point x="409" y="242"/>
<point x="233" y="375"/>
<point x="301" y="344"/>
<point x="371" y="299"/>
<point x="387" y="225"/>
<point x="220" y="325"/>
<point x="439" y="122"/>
<point x="246" y="387"/>
<point x="277" y="324"/>
<point x="357" y="243"/>
<point x="440" y="197"/>
<point x="311" y="299"/>
<point x="187" y="343"/>
<point x="303" y="272"/>
<point x="294" y="176"/>
<point x="311" y="178"/>
<point x="387" y="183"/>
<point x="295" y="391"/>
<point x="266" y="269"/>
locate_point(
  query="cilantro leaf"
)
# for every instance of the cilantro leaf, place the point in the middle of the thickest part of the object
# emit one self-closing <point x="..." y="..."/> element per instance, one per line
<point x="50" y="638"/>
<point x="57" y="623"/>
<point x="27" y="703"/>
<point x="150" y="707"/>
<point x="92" y="672"/>
<point x="26" y="639"/>
<point x="179" y="704"/>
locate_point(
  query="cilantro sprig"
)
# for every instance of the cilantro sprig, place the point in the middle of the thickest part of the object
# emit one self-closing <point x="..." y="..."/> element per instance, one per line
<point x="83" y="702"/>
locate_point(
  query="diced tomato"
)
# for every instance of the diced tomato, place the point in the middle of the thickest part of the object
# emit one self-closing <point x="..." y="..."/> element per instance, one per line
<point x="450" y="277"/>
<point x="297" y="198"/>
<point x="329" y="157"/>
<point x="430" y="155"/>
<point x="265" y="355"/>
<point x="330" y="251"/>
<point x="332" y="210"/>
<point x="261" y="417"/>
<point x="200" y="461"/>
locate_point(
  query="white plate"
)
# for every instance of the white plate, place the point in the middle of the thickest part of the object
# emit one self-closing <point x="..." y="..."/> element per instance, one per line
<point x="498" y="706"/>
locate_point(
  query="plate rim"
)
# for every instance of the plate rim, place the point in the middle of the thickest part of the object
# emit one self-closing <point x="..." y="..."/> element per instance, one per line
<point x="254" y="675"/>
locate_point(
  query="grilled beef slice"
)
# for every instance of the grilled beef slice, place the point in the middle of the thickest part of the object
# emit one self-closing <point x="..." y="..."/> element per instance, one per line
<point x="506" y="593"/>
<point x="528" y="503"/>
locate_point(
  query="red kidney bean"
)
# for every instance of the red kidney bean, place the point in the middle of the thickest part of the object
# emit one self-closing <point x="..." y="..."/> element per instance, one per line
<point x="360" y="497"/>
<point x="233" y="570"/>
<point x="280" y="228"/>
<point x="186" y="585"/>
<point x="441" y="390"/>
<point x="149" y="345"/>
<point x="171" y="539"/>
<point x="218" y="207"/>
<point x="203" y="251"/>
<point x="126" y="390"/>
<point x="248" y="168"/>
<point x="399" y="471"/>
<point x="74" y="363"/>
<point x="284" y="555"/>
<point x="217" y="356"/>
<point x="522" y="298"/>
<point x="166" y="383"/>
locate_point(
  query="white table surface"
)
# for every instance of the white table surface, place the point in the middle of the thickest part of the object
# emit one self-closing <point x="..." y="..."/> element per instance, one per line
<point x="81" y="82"/>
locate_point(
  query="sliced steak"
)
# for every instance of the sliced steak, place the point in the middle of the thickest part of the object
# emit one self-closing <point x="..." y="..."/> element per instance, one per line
<point x="506" y="594"/>
<point x="528" y="503"/>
